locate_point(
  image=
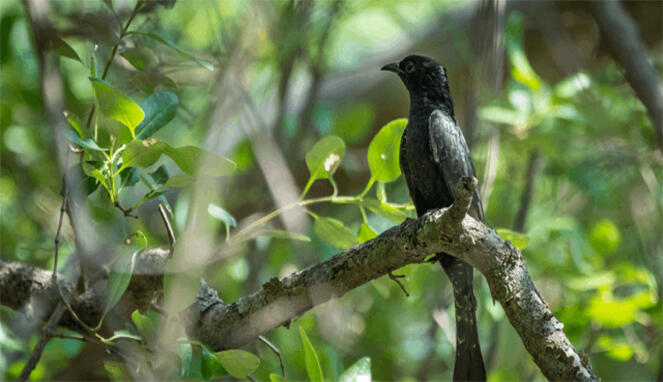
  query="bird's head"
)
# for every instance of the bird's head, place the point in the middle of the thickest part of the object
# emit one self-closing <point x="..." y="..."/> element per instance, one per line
<point x="422" y="76"/>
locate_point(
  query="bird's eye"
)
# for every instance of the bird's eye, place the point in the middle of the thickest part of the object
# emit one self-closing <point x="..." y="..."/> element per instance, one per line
<point x="409" y="67"/>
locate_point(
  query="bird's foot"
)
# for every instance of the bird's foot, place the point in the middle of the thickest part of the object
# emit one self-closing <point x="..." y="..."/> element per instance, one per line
<point x="395" y="278"/>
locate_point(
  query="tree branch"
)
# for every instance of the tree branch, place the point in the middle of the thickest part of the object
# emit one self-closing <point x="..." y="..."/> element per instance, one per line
<point x="448" y="230"/>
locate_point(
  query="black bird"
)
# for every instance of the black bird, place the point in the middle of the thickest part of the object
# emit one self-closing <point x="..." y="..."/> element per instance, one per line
<point x="433" y="157"/>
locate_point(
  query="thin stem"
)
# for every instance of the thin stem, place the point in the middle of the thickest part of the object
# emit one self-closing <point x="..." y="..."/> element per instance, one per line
<point x="123" y="33"/>
<point x="276" y="351"/>
<point x="301" y="203"/>
<point x="368" y="188"/>
<point x="169" y="229"/>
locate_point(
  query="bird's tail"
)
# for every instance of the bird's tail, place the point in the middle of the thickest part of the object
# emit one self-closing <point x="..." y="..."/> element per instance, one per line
<point x="469" y="362"/>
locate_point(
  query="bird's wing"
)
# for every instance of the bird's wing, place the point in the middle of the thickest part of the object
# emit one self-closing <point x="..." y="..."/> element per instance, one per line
<point x="405" y="169"/>
<point x="452" y="156"/>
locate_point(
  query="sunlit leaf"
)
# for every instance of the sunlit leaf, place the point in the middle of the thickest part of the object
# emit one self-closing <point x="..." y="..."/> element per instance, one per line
<point x="238" y="363"/>
<point x="311" y="358"/>
<point x="520" y="240"/>
<point x="604" y="236"/>
<point x="500" y="114"/>
<point x="619" y="350"/>
<point x="276" y="378"/>
<point x="122" y="334"/>
<point x="521" y="69"/>
<point x="325" y="156"/>
<point x="572" y="85"/>
<point x="360" y="371"/>
<point x="385" y="210"/>
<point x="383" y="151"/>
<point x="334" y="232"/>
<point x="366" y="233"/>
<point x="115" y="104"/>
<point x="210" y="366"/>
<point x="117" y="371"/>
<point x="142" y="153"/>
<point x="160" y="108"/>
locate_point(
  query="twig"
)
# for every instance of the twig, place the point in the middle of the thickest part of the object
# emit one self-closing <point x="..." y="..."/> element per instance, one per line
<point x="275" y="350"/>
<point x="395" y="278"/>
<point x="528" y="191"/>
<point x="169" y="229"/>
<point x="46" y="335"/>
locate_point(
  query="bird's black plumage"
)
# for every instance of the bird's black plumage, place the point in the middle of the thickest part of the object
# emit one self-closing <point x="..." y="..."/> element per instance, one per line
<point x="433" y="157"/>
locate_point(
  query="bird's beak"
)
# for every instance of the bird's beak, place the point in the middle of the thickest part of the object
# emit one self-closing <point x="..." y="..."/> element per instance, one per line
<point x="393" y="67"/>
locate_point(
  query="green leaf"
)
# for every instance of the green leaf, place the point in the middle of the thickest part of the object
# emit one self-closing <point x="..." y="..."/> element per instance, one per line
<point x="238" y="363"/>
<point x="311" y="358"/>
<point x="86" y="143"/>
<point x="324" y="157"/>
<point x="204" y="63"/>
<point x="503" y="115"/>
<point x="221" y="214"/>
<point x="140" y="57"/>
<point x="75" y="123"/>
<point x="130" y="176"/>
<point x="179" y="180"/>
<point x="115" y="104"/>
<point x="191" y="159"/>
<point x="276" y="378"/>
<point x="334" y="232"/>
<point x="160" y="108"/>
<point x="604" y="237"/>
<point x="142" y="153"/>
<point x="119" y="277"/>
<point x="385" y="210"/>
<point x="619" y="350"/>
<point x="360" y="371"/>
<point x="160" y="175"/>
<point x="278" y="234"/>
<point x="63" y="49"/>
<point x="117" y="371"/>
<point x="144" y="325"/>
<point x="353" y="124"/>
<point x="384" y="149"/>
<point x="520" y="240"/>
<point x="98" y="175"/>
<point x="521" y="70"/>
<point x="366" y="233"/>
<point x="210" y="366"/>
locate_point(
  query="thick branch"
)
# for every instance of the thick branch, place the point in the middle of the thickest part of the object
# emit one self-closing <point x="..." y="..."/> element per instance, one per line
<point x="621" y="34"/>
<point x="225" y="326"/>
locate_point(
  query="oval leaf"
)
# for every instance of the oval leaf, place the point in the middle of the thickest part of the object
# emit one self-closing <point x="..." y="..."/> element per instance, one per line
<point x="335" y="233"/>
<point x="383" y="151"/>
<point x="325" y="156"/>
<point x="119" y="278"/>
<point x="360" y="371"/>
<point x="144" y="325"/>
<point x="142" y="153"/>
<point x="191" y="159"/>
<point x="140" y="57"/>
<point x="238" y="363"/>
<point x="210" y="366"/>
<point x="179" y="180"/>
<point x="520" y="240"/>
<point x="385" y="210"/>
<point x="115" y="104"/>
<point x="204" y="63"/>
<point x="311" y="358"/>
<point x="160" y="108"/>
<point x="86" y="143"/>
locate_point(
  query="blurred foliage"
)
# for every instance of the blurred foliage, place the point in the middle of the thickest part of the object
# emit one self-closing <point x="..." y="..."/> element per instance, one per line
<point x="592" y="235"/>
